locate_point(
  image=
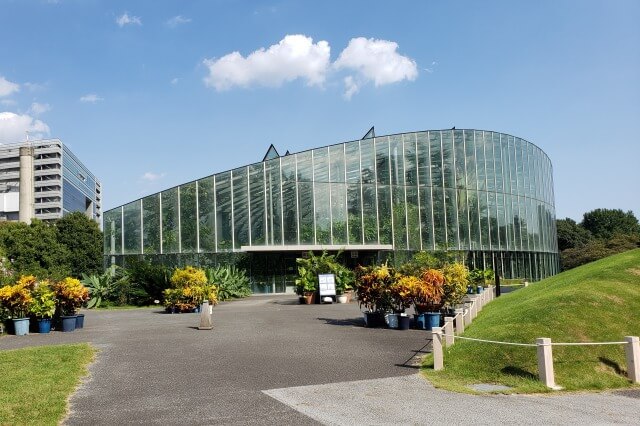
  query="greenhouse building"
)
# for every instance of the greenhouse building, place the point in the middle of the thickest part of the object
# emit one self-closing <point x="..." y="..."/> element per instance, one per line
<point x="485" y="194"/>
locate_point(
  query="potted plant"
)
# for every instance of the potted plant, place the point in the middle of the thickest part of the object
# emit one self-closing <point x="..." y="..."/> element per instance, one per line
<point x="345" y="279"/>
<point x="401" y="300"/>
<point x="43" y="306"/>
<point x="306" y="283"/>
<point x="70" y="296"/>
<point x="456" y="280"/>
<point x="16" y="299"/>
<point x="427" y="293"/>
<point x="372" y="289"/>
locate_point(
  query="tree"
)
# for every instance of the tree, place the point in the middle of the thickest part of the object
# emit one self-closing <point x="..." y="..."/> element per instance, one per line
<point x="605" y="223"/>
<point x="83" y="239"/>
<point x="35" y="249"/>
<point x="571" y="235"/>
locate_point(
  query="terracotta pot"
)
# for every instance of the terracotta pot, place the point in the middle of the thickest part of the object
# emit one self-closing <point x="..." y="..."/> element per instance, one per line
<point x="309" y="297"/>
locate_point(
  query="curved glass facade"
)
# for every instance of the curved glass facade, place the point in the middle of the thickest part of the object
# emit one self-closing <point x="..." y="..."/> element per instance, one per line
<point x="484" y="193"/>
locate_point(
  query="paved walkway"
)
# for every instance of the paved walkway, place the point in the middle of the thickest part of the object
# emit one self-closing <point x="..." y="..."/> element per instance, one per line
<point x="271" y="361"/>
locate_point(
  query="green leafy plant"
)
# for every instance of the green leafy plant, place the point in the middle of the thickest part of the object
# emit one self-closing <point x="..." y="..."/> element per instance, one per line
<point x="101" y="287"/>
<point x="70" y="295"/>
<point x="44" y="303"/>
<point x="456" y="279"/>
<point x="230" y="281"/>
<point x="401" y="292"/>
<point x="373" y="287"/>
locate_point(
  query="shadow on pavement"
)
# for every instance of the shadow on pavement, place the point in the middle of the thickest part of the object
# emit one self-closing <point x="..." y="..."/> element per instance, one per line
<point x="353" y="322"/>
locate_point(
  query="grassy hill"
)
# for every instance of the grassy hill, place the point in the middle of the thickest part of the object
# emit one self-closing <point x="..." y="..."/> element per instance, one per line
<point x="597" y="302"/>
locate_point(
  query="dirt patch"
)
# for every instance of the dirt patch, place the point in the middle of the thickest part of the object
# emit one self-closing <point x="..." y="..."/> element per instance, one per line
<point x="615" y="299"/>
<point x="634" y="271"/>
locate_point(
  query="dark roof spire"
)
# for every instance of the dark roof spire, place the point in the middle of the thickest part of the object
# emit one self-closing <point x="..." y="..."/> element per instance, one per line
<point x="370" y="134"/>
<point x="272" y="153"/>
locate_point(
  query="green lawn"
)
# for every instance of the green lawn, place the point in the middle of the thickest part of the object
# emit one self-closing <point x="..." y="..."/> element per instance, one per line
<point x="597" y="302"/>
<point x="36" y="382"/>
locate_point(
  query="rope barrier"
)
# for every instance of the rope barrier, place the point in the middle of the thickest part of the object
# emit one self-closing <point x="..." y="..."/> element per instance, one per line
<point x="535" y="344"/>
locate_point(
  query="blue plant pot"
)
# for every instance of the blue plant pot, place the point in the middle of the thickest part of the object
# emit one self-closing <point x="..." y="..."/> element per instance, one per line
<point x="79" y="321"/>
<point x="421" y="321"/>
<point x="44" y="325"/>
<point x="432" y="320"/>
<point x="403" y="322"/>
<point x="392" y="320"/>
<point x="21" y="326"/>
<point x="469" y="289"/>
<point x="68" y="323"/>
<point x="373" y="319"/>
<point x="480" y="289"/>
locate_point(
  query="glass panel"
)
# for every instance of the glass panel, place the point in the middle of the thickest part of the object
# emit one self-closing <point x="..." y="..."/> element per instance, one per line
<point x="369" y="212"/>
<point x="354" y="209"/>
<point x="384" y="214"/>
<point x="426" y="218"/>
<point x="382" y="160"/>
<point x="480" y="161"/>
<point x="489" y="161"/>
<point x="447" y="160"/>
<point x="305" y="169"/>
<point x="424" y="161"/>
<point x="305" y="206"/>
<point x="436" y="161"/>
<point x="410" y="160"/>
<point x="223" y="211"/>
<point x="323" y="212"/>
<point x="463" y="219"/>
<point x="459" y="154"/>
<point x="502" y="231"/>
<point x="497" y="152"/>
<point x="188" y="232"/>
<point x="289" y="200"/>
<point x="484" y="220"/>
<point x="113" y="231"/>
<point x="240" y="208"/>
<point x="336" y="154"/>
<point x="339" y="213"/>
<point x="151" y="224"/>
<point x="132" y="228"/>
<point x="207" y="212"/>
<point x="439" y="221"/>
<point x="321" y="165"/>
<point x="453" y="241"/>
<point x="413" y="217"/>
<point x="399" y="218"/>
<point x="352" y="153"/>
<point x="493" y="221"/>
<point x="367" y="161"/>
<point x="474" y="220"/>
<point x="274" y="203"/>
<point x="170" y="221"/>
<point x="257" y="203"/>
<point x="397" y="163"/>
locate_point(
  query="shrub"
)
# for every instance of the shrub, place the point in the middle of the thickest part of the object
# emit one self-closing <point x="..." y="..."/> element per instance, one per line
<point x="456" y="279"/>
<point x="189" y="289"/>
<point x="147" y="281"/>
<point x="373" y="285"/>
<point x="102" y="287"/>
<point x="230" y="281"/>
<point x="428" y="291"/>
<point x="44" y="303"/>
<point x="401" y="292"/>
<point x="16" y="299"/>
<point x="70" y="295"/>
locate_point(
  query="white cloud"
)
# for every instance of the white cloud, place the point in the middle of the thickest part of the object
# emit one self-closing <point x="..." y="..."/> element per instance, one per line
<point x="152" y="177"/>
<point x="37" y="108"/>
<point x="7" y="87"/>
<point x="178" y="20"/>
<point x="175" y="80"/>
<point x="295" y="56"/>
<point x="125" y="19"/>
<point x="374" y="60"/>
<point x="91" y="98"/>
<point x="13" y="127"/>
<point x="351" y="87"/>
<point x="34" y="87"/>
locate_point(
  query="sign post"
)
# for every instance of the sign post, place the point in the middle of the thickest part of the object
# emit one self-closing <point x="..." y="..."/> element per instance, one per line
<point x="327" y="284"/>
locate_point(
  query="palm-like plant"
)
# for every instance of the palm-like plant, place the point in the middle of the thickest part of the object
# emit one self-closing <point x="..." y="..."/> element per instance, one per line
<point x="102" y="286"/>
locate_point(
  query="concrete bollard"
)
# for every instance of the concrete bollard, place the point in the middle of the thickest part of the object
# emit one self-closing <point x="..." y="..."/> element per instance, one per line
<point x="459" y="321"/>
<point x="436" y="344"/>
<point x="205" y="317"/>
<point x="474" y="308"/>
<point x="545" y="363"/>
<point x="467" y="316"/>
<point x="632" y="349"/>
<point x="448" y="331"/>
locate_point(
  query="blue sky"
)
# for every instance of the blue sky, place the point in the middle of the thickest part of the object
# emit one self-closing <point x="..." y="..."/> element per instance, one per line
<point x="149" y="94"/>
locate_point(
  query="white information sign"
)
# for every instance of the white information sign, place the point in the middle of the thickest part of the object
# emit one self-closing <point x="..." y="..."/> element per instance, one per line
<point x="327" y="284"/>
